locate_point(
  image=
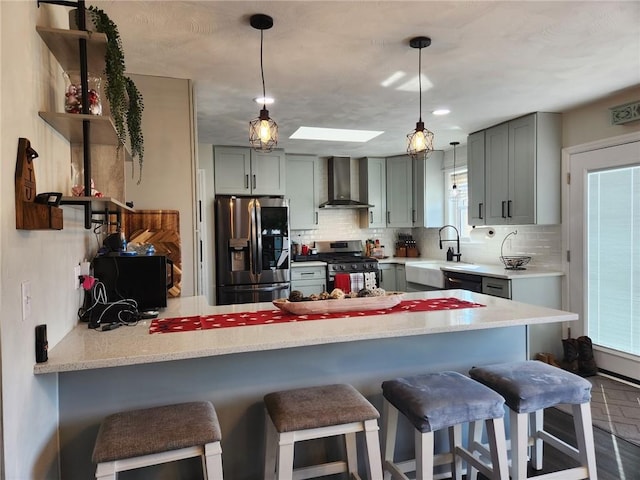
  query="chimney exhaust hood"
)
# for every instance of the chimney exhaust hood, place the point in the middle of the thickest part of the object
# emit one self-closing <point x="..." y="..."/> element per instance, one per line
<point x="340" y="185"/>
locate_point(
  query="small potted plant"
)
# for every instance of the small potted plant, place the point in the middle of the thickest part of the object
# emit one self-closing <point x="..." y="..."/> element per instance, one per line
<point x="125" y="101"/>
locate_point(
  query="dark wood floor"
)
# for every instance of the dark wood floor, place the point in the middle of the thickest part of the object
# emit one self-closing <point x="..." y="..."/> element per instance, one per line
<point x="616" y="458"/>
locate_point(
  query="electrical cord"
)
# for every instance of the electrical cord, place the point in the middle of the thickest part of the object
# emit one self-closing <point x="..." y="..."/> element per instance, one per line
<point x="125" y="311"/>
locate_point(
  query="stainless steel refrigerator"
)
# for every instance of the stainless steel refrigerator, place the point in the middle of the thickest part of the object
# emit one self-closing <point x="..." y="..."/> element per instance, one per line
<point x="252" y="249"/>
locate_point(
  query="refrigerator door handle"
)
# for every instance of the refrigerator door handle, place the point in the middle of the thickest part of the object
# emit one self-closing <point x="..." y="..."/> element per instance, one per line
<point x="257" y="236"/>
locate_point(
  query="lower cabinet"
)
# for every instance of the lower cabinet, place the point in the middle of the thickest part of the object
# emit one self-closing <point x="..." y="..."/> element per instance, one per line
<point x="388" y="279"/>
<point x="545" y="292"/>
<point x="392" y="277"/>
<point x="401" y="278"/>
<point x="309" y="279"/>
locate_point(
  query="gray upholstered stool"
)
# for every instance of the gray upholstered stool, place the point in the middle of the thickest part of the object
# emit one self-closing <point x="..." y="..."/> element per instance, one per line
<point x="151" y="436"/>
<point x="434" y="402"/>
<point x="318" y="412"/>
<point x="528" y="388"/>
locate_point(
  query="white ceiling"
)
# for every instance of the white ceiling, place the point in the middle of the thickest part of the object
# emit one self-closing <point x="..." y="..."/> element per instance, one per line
<point x="325" y="61"/>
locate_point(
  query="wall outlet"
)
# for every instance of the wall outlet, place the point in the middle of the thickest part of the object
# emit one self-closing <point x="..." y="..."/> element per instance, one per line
<point x="26" y="301"/>
<point x="77" y="271"/>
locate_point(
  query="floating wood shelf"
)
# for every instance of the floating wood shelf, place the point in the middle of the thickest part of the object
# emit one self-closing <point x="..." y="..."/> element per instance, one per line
<point x="64" y="46"/>
<point x="99" y="205"/>
<point x="69" y="125"/>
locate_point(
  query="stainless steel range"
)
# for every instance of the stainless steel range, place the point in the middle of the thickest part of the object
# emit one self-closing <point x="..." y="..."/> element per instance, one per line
<point x="344" y="256"/>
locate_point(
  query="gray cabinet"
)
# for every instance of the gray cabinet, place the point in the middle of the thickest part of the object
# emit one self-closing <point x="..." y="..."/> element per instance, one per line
<point x="401" y="278"/>
<point x="497" y="174"/>
<point x="242" y="171"/>
<point x="428" y="191"/>
<point x="392" y="277"/>
<point x="388" y="279"/>
<point x="521" y="172"/>
<point x="399" y="191"/>
<point x="373" y="190"/>
<point x="309" y="279"/>
<point x="476" y="180"/>
<point x="303" y="185"/>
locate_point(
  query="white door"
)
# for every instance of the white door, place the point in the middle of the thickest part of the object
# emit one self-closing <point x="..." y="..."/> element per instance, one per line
<point x="603" y="239"/>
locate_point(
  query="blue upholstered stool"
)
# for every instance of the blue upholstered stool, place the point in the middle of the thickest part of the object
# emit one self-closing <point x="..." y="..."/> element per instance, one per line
<point x="528" y="388"/>
<point x="436" y="401"/>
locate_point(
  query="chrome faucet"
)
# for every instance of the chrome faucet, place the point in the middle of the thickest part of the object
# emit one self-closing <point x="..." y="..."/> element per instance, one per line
<point x="457" y="254"/>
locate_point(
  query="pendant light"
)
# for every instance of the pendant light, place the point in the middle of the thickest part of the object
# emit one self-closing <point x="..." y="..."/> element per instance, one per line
<point x="420" y="141"/>
<point x="454" y="187"/>
<point x="263" y="131"/>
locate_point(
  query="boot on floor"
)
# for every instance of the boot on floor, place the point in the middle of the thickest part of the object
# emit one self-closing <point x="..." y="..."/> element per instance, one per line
<point x="586" y="363"/>
<point x="570" y="360"/>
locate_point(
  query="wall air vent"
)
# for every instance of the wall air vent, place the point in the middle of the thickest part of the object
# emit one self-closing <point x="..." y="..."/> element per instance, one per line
<point x="629" y="112"/>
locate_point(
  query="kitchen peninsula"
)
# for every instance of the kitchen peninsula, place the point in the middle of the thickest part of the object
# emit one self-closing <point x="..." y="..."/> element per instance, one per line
<point x="104" y="372"/>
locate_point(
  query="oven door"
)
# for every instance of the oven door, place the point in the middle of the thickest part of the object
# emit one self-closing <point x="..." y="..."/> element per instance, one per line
<point x="347" y="283"/>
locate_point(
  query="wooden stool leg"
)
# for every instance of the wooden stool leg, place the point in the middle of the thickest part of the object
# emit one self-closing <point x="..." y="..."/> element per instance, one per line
<point x="371" y="432"/>
<point x="284" y="467"/>
<point x="389" y="432"/>
<point x="212" y="461"/>
<point x="455" y="440"/>
<point x="475" y="439"/>
<point x="519" y="441"/>
<point x="270" y="449"/>
<point x="498" y="447"/>
<point x="584" y="435"/>
<point x="106" y="471"/>
<point x="352" y="453"/>
<point x="537" y="425"/>
<point x="424" y="455"/>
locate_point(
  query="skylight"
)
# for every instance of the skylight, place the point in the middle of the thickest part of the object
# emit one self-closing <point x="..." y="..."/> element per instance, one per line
<point x="334" y="134"/>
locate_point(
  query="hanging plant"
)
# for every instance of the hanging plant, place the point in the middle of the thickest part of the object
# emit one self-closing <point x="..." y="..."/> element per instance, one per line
<point x="125" y="100"/>
<point x="134" y="124"/>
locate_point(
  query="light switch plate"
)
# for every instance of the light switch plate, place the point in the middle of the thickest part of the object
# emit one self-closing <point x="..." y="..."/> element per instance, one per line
<point x="77" y="271"/>
<point x="26" y="300"/>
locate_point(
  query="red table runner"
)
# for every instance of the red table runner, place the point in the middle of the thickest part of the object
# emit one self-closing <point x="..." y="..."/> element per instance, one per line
<point x="261" y="317"/>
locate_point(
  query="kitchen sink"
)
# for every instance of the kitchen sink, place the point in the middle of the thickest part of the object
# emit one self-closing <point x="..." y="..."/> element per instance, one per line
<point x="425" y="273"/>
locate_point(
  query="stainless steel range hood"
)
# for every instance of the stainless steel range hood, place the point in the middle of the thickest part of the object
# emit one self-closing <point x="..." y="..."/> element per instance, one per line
<point x="340" y="185"/>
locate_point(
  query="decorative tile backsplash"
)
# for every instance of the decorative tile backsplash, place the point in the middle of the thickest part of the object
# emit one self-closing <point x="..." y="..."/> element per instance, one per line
<point x="542" y="242"/>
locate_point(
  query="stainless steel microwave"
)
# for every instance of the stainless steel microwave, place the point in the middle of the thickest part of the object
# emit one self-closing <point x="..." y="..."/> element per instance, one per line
<point x="143" y="278"/>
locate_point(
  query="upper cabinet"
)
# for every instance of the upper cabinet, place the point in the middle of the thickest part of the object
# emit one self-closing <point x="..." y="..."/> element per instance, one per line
<point x="521" y="173"/>
<point x="373" y="190"/>
<point x="475" y="170"/>
<point x="428" y="190"/>
<point x="303" y="186"/>
<point x="242" y="171"/>
<point x="399" y="191"/>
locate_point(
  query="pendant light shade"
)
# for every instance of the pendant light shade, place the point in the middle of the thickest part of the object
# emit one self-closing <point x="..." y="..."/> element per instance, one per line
<point x="454" y="187"/>
<point x="263" y="131"/>
<point x="420" y="141"/>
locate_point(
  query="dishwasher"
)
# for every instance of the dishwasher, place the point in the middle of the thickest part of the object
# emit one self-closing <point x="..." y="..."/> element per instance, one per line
<point x="498" y="287"/>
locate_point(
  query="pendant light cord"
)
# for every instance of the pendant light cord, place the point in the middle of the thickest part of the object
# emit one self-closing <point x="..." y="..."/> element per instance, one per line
<point x="420" y="79"/>
<point x="264" y="95"/>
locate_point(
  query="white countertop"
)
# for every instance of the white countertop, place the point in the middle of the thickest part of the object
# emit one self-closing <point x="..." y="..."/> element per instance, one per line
<point x="84" y="349"/>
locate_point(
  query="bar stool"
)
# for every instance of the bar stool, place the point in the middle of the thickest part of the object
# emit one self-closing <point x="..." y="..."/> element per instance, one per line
<point x="319" y="412"/>
<point x="435" y="401"/>
<point x="528" y="388"/>
<point x="152" y="436"/>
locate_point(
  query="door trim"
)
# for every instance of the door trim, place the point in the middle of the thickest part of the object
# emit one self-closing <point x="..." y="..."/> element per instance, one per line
<point x="579" y="329"/>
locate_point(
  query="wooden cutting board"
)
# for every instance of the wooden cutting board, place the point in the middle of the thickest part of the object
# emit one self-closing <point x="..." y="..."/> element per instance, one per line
<point x="160" y="228"/>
